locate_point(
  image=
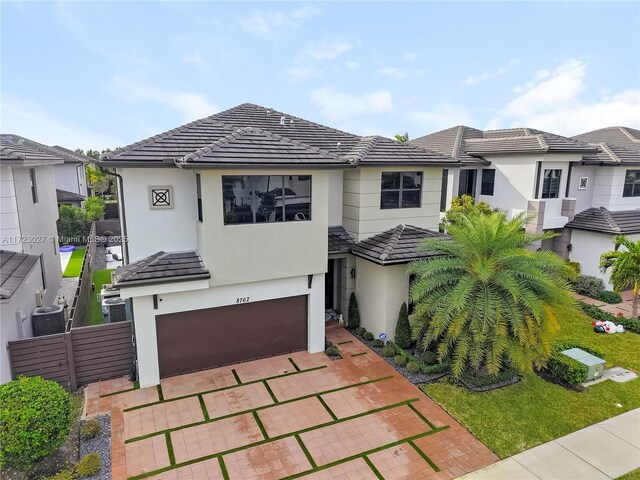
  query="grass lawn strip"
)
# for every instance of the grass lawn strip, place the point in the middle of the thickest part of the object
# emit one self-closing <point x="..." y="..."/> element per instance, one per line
<point x="284" y="402"/>
<point x="345" y="342"/>
<point x="172" y="455"/>
<point x="236" y="376"/>
<point x="533" y="411"/>
<point x="256" y="417"/>
<point x="223" y="468"/>
<point x="424" y="455"/>
<point x="94" y="309"/>
<point x="293" y="434"/>
<point x="203" y="406"/>
<point x="372" y="467"/>
<point x="222" y="388"/>
<point x="74" y="267"/>
<point x="271" y="394"/>
<point x="326" y="407"/>
<point x="295" y="365"/>
<point x="307" y="454"/>
<point x="359" y="354"/>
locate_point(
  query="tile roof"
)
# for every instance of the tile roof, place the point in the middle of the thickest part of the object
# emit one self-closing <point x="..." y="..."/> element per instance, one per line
<point x="64" y="196"/>
<point x="623" y="136"/>
<point x="162" y="267"/>
<point x="602" y="220"/>
<point x="451" y="142"/>
<point x="14" y="268"/>
<point x="609" y="154"/>
<point x="395" y="246"/>
<point x="17" y="149"/>
<point x="340" y="241"/>
<point x="249" y="131"/>
<point x="523" y="140"/>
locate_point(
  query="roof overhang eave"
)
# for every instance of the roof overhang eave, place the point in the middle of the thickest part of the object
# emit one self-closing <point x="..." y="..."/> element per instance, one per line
<point x="297" y="166"/>
<point x="161" y="281"/>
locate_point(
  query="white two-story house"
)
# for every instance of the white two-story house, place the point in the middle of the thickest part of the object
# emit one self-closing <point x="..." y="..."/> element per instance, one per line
<point x="243" y="227"/>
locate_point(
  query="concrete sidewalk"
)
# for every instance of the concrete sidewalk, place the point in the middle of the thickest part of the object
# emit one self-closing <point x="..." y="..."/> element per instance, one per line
<point x="604" y="451"/>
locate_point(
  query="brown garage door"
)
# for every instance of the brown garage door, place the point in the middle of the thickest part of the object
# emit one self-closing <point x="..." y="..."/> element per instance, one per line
<point x="199" y="339"/>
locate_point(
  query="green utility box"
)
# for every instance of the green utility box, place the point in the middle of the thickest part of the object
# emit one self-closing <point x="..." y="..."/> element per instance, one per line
<point x="595" y="365"/>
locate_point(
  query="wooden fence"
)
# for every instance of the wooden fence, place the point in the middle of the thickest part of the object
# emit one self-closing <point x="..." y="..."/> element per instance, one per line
<point x="80" y="302"/>
<point x="77" y="357"/>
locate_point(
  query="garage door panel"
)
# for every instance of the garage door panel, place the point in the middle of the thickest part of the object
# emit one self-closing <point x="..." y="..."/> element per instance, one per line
<point x="200" y="339"/>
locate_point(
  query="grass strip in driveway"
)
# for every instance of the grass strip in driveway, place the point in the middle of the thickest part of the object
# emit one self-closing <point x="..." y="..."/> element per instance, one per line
<point x="326" y="407"/>
<point x="74" y="267"/>
<point x="172" y="455"/>
<point x="424" y="456"/>
<point x="306" y="452"/>
<point x="256" y="417"/>
<point x="271" y="394"/>
<point x="223" y="468"/>
<point x="372" y="467"/>
<point x="295" y="365"/>
<point x="203" y="406"/>
<point x="236" y="376"/>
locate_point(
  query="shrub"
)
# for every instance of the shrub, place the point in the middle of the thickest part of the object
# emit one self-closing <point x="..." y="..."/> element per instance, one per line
<point x="575" y="266"/>
<point x="360" y="331"/>
<point x="94" y="208"/>
<point x="403" y="329"/>
<point x="589" y="285"/>
<point x="413" y="367"/>
<point x="327" y="343"/>
<point x="597" y="314"/>
<point x="388" y="351"/>
<point x="400" y="359"/>
<point x="354" y="312"/>
<point x="609" y="297"/>
<point x="332" y="351"/>
<point x="629" y="324"/>
<point x="66" y="474"/>
<point x="89" y="465"/>
<point x="429" y="357"/>
<point x="90" y="428"/>
<point x="72" y="224"/>
<point x="378" y="343"/>
<point x="567" y="369"/>
<point x="36" y="417"/>
<point x="368" y="336"/>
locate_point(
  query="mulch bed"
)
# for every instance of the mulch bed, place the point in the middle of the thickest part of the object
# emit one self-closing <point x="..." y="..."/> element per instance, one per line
<point x="100" y="444"/>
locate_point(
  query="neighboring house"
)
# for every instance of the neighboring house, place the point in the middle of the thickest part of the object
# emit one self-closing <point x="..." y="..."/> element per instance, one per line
<point x="28" y="214"/>
<point x="69" y="198"/>
<point x="551" y="177"/>
<point x="245" y="226"/>
<point x="71" y="177"/>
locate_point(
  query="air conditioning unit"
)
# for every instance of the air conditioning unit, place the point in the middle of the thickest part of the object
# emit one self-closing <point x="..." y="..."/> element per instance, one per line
<point x="48" y="320"/>
<point x="113" y="310"/>
<point x="108" y="291"/>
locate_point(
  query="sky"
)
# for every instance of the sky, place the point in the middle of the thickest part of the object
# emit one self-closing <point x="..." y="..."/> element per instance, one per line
<point x="107" y="74"/>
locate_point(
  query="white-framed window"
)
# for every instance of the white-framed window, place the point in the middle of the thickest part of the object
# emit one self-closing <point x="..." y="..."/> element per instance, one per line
<point x="551" y="183"/>
<point x="631" y="184"/>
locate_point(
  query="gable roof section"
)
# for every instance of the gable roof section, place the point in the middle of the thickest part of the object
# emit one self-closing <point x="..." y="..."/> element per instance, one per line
<point x="395" y="246"/>
<point x="244" y="134"/>
<point x="612" y="155"/>
<point x="524" y="140"/>
<point x="626" y="137"/>
<point x="162" y="267"/>
<point x="340" y="241"/>
<point x="450" y="142"/>
<point x="14" y="268"/>
<point x="63" y="196"/>
<point x="18" y="150"/>
<point x="602" y="220"/>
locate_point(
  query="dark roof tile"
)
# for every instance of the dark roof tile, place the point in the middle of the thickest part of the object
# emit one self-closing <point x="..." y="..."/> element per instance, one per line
<point x="162" y="267"/>
<point x="626" y="137"/>
<point x="14" y="268"/>
<point x="64" y="196"/>
<point x="623" y="222"/>
<point x="340" y="241"/>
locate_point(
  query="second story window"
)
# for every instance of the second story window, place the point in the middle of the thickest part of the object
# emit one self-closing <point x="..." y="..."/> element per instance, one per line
<point x="488" y="181"/>
<point x="34" y="187"/>
<point x="199" y="196"/>
<point x="551" y="183"/>
<point x="631" y="184"/>
<point x="401" y="190"/>
<point x="266" y="198"/>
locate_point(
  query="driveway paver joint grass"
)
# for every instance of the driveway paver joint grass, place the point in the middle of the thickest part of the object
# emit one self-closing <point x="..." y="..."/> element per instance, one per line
<point x="307" y="454"/>
<point x="373" y="468"/>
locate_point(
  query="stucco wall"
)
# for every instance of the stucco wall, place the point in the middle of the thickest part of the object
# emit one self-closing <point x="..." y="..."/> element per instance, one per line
<point x="16" y="317"/>
<point x="144" y="313"/>
<point x="609" y="184"/>
<point x="71" y="177"/>
<point x="9" y="219"/>
<point x="584" y="198"/>
<point x="362" y="215"/>
<point x="335" y="197"/>
<point x="514" y="182"/>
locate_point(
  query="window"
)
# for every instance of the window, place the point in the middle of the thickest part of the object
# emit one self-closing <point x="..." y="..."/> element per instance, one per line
<point x="266" y="198"/>
<point x="488" y="181"/>
<point x="551" y="183"/>
<point x="199" y="196"/>
<point x="467" y="183"/>
<point x="401" y="190"/>
<point x="44" y="274"/>
<point x="443" y="190"/>
<point x="34" y="187"/>
<point x="631" y="184"/>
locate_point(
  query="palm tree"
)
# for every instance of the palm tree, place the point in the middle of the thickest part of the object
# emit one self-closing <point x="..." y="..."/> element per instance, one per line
<point x="488" y="301"/>
<point x="625" y="267"/>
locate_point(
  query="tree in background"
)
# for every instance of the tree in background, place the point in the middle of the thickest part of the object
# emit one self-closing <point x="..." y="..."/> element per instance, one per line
<point x="465" y="205"/>
<point x="403" y="329"/>
<point x="487" y="301"/>
<point x="402" y="138"/>
<point x="72" y="224"/>
<point x="99" y="181"/>
<point x="625" y="268"/>
<point x="94" y="208"/>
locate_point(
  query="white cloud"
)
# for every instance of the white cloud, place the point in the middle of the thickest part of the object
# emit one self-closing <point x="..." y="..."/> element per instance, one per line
<point x="394" y="72"/>
<point x="409" y="56"/>
<point x="335" y="104"/>
<point x="326" y="50"/>
<point x="25" y="118"/>
<point x="267" y="24"/>
<point x="486" y="75"/>
<point x="553" y="101"/>
<point x="304" y="72"/>
<point x="192" y="105"/>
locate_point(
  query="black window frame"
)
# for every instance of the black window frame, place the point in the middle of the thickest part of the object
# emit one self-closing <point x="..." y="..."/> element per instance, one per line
<point x="199" y="196"/>
<point x="488" y="183"/>
<point x="43" y="272"/>
<point x="551" y="189"/>
<point x="400" y="190"/>
<point x="444" y="187"/>
<point x="631" y="187"/>
<point x="34" y="185"/>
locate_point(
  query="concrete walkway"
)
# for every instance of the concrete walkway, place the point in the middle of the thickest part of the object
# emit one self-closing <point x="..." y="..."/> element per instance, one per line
<point x="604" y="451"/>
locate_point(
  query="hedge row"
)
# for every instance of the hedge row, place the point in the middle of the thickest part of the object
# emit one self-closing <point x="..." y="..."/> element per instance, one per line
<point x="424" y="367"/>
<point x="568" y="369"/>
<point x="597" y="314"/>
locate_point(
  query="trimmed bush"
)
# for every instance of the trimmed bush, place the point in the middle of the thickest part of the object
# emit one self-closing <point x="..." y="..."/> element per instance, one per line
<point x="429" y="357"/>
<point x="354" y="311"/>
<point x="588" y="285"/>
<point x="90" y="428"/>
<point x="567" y="369"/>
<point x="35" y="420"/>
<point x="609" y="297"/>
<point x="66" y="474"/>
<point x="413" y="367"/>
<point x="378" y="343"/>
<point x="629" y="324"/>
<point x="403" y="329"/>
<point x="388" y="351"/>
<point x="400" y="359"/>
<point x="368" y="336"/>
<point x="332" y="351"/>
<point x="597" y="314"/>
<point x="360" y="331"/>
<point x="327" y="343"/>
<point x="575" y="266"/>
<point x="89" y="465"/>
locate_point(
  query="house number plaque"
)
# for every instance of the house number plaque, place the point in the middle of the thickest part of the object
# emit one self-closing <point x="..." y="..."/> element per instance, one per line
<point x="242" y="300"/>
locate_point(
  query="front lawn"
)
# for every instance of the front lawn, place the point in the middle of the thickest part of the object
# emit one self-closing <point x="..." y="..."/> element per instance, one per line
<point x="74" y="267"/>
<point x="533" y="411"/>
<point x="94" y="310"/>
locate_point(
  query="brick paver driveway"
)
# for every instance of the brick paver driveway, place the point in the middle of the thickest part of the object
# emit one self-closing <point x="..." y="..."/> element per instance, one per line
<point x="293" y="416"/>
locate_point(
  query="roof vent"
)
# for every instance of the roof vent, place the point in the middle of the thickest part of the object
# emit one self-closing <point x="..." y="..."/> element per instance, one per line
<point x="290" y="122"/>
<point x="282" y="119"/>
<point x="268" y="112"/>
<point x="338" y="145"/>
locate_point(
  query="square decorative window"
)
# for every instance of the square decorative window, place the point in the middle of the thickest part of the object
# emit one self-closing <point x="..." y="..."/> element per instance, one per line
<point x="488" y="181"/>
<point x="160" y="197"/>
<point x="401" y="190"/>
<point x="583" y="183"/>
<point x="551" y="183"/>
<point x="631" y="184"/>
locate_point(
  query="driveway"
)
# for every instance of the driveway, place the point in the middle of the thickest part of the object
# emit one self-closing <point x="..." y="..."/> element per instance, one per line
<point x="293" y="416"/>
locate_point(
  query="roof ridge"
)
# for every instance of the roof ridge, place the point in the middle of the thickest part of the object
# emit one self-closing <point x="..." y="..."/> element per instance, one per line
<point x="610" y="220"/>
<point x="369" y="142"/>
<point x="393" y="241"/>
<point x="458" y="141"/>
<point x="542" y="141"/>
<point x="628" y="134"/>
<point x="607" y="149"/>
